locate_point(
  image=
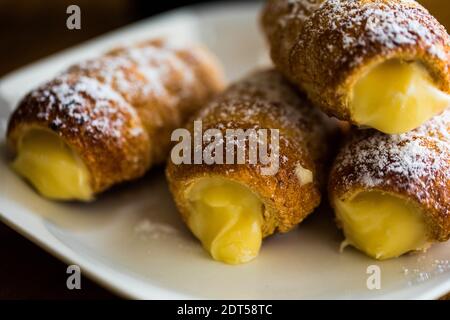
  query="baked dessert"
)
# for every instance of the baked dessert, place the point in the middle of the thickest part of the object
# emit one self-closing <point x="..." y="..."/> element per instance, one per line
<point x="108" y="120"/>
<point x="231" y="206"/>
<point x="391" y="194"/>
<point x="375" y="63"/>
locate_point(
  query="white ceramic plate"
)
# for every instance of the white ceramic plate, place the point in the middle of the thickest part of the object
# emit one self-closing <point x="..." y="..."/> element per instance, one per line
<point x="131" y="239"/>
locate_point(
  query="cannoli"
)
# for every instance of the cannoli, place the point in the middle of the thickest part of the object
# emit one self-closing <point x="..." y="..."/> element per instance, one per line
<point x="391" y="194"/>
<point x="108" y="120"/>
<point x="382" y="64"/>
<point x="231" y="206"/>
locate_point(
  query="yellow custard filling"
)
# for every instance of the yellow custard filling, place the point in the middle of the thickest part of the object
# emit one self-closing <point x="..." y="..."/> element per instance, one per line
<point x="381" y="225"/>
<point x="396" y="97"/>
<point x="52" y="167"/>
<point x="227" y="218"/>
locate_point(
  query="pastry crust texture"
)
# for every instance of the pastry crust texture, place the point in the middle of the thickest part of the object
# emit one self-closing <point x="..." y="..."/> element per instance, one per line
<point x="414" y="166"/>
<point x="324" y="46"/>
<point x="264" y="100"/>
<point x="117" y="111"/>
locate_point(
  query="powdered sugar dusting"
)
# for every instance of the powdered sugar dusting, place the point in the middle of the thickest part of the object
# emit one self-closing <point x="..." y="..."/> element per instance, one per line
<point x="266" y="100"/>
<point x="263" y="95"/>
<point x="363" y="25"/>
<point x="299" y="10"/>
<point x="100" y="96"/>
<point x="424" y="269"/>
<point x="412" y="161"/>
<point x="143" y="71"/>
<point x="147" y="229"/>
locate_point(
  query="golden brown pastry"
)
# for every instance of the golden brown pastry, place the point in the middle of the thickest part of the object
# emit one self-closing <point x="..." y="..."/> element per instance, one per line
<point x="391" y="194"/>
<point x="376" y="63"/>
<point x="108" y="120"/>
<point x="230" y="207"/>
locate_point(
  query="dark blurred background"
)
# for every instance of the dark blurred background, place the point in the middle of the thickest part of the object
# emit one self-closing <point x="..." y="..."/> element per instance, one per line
<point x="30" y="30"/>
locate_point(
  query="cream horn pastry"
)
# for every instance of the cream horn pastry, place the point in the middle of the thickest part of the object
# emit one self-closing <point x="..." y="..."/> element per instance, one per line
<point x="391" y="194"/>
<point x="231" y="206"/>
<point x="108" y="120"/>
<point x="382" y="64"/>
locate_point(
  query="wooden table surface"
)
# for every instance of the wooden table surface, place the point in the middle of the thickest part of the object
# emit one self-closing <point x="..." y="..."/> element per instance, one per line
<point x="29" y="31"/>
